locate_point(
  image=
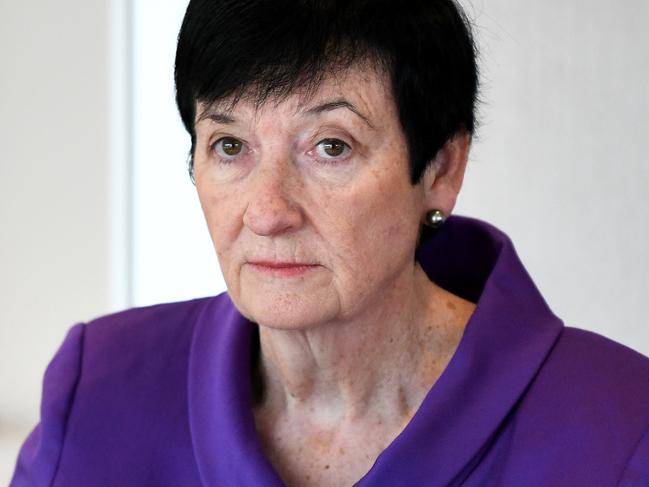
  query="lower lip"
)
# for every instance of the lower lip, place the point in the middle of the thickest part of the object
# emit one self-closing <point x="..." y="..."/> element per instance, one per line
<point x="288" y="271"/>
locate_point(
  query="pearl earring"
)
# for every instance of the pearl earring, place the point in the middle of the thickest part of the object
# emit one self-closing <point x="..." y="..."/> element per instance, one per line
<point x="435" y="218"/>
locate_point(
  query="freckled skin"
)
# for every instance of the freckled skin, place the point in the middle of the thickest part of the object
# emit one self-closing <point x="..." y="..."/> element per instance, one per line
<point x="350" y="348"/>
<point x="281" y="207"/>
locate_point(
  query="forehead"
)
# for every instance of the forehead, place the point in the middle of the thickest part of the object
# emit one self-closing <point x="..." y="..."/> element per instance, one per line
<point x="365" y="87"/>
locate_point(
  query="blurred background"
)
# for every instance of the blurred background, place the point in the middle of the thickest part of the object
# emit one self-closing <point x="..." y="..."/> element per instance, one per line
<point x="97" y="213"/>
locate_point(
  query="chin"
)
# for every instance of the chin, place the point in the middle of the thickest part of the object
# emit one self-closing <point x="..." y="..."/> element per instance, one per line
<point x="288" y="311"/>
<point x="291" y="304"/>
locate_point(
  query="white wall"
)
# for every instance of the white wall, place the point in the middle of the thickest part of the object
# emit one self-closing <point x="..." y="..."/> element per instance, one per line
<point x="173" y="258"/>
<point x="560" y="165"/>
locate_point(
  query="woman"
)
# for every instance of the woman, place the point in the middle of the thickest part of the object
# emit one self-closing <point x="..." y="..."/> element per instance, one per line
<point x="365" y="338"/>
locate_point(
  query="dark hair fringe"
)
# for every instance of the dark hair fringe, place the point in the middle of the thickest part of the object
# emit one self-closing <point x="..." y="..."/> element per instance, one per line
<point x="272" y="48"/>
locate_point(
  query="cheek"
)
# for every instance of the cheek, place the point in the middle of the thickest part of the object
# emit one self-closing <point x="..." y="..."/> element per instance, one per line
<point x="219" y="210"/>
<point x="374" y="222"/>
<point x="386" y="212"/>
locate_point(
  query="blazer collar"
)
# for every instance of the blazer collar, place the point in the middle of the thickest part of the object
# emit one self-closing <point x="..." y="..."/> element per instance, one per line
<point x="503" y="346"/>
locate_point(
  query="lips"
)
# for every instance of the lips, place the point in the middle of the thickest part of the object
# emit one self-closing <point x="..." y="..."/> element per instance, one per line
<point x="280" y="265"/>
<point x="282" y="269"/>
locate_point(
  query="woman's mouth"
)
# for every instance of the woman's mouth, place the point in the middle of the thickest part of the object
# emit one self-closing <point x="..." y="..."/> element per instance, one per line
<point x="282" y="269"/>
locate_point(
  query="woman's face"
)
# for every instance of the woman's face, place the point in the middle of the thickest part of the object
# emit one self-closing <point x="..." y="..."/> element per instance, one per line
<point x="322" y="181"/>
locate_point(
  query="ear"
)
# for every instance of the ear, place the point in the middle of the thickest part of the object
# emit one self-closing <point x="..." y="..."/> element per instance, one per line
<point x="443" y="178"/>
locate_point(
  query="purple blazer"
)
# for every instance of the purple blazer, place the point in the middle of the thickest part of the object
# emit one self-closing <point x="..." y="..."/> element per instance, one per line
<point x="161" y="396"/>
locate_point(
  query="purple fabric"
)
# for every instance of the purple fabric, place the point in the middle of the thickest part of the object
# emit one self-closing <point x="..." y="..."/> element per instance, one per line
<point x="160" y="396"/>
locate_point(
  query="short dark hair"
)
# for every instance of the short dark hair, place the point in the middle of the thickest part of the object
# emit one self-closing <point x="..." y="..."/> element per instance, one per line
<point x="262" y="48"/>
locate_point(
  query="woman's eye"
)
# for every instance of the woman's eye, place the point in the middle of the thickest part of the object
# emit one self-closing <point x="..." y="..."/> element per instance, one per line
<point x="329" y="148"/>
<point x="228" y="147"/>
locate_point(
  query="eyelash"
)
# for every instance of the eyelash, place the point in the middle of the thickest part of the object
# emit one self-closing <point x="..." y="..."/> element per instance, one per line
<point x="225" y="159"/>
<point x="332" y="159"/>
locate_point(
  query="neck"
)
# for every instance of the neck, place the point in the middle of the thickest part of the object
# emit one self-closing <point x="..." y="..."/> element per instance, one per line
<point x="385" y="360"/>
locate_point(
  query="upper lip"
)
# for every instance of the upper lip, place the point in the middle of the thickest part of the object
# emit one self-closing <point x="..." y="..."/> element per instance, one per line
<point x="279" y="265"/>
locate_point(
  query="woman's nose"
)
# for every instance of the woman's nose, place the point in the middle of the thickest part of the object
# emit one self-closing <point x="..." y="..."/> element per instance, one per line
<point x="272" y="208"/>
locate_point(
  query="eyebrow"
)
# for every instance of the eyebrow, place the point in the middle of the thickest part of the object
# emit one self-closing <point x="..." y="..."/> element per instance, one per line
<point x="211" y="113"/>
<point x="335" y="104"/>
